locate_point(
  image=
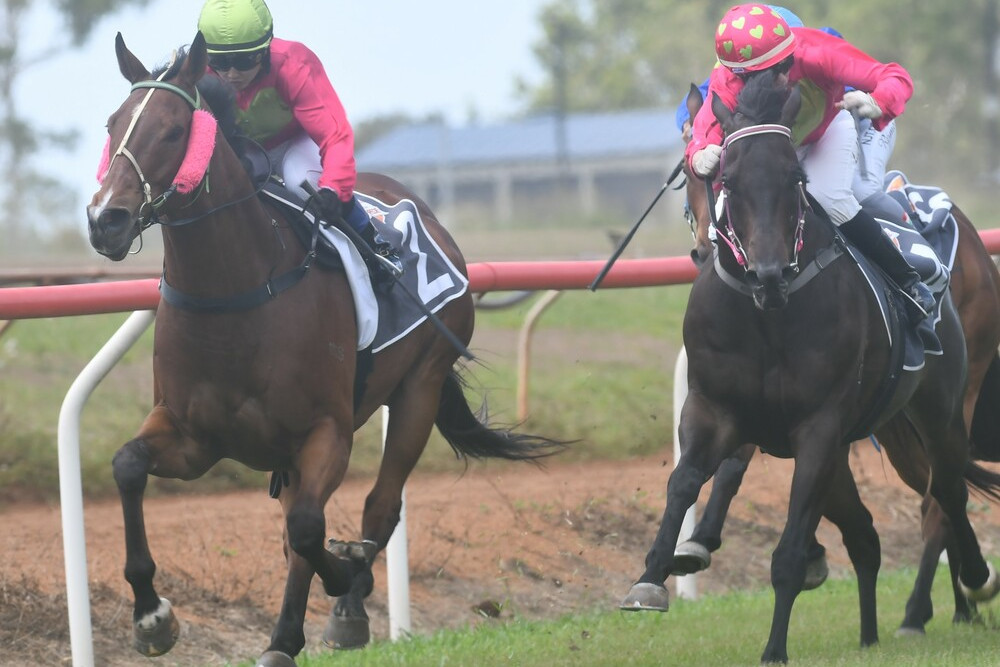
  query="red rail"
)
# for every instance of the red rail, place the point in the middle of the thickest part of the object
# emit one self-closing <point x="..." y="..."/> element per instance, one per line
<point x="18" y="303"/>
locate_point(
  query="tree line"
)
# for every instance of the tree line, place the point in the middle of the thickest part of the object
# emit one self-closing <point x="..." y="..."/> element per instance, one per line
<point x="617" y="54"/>
<point x="605" y="55"/>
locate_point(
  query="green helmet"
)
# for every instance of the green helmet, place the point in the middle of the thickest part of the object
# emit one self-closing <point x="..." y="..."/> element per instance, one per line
<point x="234" y="26"/>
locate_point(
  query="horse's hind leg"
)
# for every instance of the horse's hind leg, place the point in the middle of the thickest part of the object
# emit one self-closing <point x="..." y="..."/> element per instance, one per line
<point x="158" y="447"/>
<point x="411" y="417"/>
<point x="937" y="537"/>
<point x="977" y="578"/>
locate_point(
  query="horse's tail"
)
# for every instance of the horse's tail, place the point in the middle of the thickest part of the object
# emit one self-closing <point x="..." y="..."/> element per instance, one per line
<point x="983" y="482"/>
<point x="985" y="428"/>
<point x="470" y="435"/>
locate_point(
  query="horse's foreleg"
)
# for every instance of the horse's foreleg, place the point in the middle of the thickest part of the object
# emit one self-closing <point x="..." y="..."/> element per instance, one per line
<point x="706" y="440"/>
<point x="319" y="470"/>
<point x="815" y="459"/>
<point x="846" y="510"/>
<point x="159" y="448"/>
<point x="411" y="418"/>
<point x="693" y="555"/>
<point x="288" y="636"/>
<point x="154" y="626"/>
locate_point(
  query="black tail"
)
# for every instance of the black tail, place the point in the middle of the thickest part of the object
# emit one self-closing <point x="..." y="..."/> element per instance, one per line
<point x="985" y="430"/>
<point x="470" y="436"/>
<point x="983" y="482"/>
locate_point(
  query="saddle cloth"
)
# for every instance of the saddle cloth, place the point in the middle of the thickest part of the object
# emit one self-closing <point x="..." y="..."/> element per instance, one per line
<point x="385" y="315"/>
<point x="929" y="209"/>
<point x="930" y="245"/>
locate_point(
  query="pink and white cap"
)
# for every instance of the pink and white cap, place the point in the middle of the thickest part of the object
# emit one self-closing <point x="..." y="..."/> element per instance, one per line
<point x="753" y="37"/>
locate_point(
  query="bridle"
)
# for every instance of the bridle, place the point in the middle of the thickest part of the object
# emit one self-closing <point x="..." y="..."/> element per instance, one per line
<point x="274" y="286"/>
<point x="728" y="234"/>
<point x="149" y="210"/>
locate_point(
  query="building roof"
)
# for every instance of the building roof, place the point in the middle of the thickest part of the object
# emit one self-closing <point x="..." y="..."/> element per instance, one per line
<point x="588" y="136"/>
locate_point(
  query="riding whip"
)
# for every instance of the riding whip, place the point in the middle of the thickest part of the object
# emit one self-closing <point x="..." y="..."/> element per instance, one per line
<point x="366" y="250"/>
<point x="628" y="237"/>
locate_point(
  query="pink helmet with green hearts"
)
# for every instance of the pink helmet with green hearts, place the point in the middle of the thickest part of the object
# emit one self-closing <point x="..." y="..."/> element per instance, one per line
<point x="753" y="37"/>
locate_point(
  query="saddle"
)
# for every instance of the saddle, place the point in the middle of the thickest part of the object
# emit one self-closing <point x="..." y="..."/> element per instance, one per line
<point x="383" y="316"/>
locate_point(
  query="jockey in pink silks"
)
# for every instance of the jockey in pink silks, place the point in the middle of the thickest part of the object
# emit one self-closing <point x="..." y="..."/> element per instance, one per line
<point x="752" y="38"/>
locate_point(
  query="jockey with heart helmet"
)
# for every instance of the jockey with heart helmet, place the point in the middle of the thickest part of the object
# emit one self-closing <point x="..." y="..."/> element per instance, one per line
<point x="753" y="38"/>
<point x="683" y="118"/>
<point x="285" y="102"/>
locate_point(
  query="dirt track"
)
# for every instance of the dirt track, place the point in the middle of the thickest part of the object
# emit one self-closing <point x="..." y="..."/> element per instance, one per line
<point x="539" y="542"/>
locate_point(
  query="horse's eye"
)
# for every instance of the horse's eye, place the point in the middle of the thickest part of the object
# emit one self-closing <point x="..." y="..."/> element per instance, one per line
<point x="175" y="133"/>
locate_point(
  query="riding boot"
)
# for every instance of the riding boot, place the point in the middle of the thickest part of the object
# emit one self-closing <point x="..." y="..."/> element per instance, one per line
<point x="865" y="232"/>
<point x="387" y="262"/>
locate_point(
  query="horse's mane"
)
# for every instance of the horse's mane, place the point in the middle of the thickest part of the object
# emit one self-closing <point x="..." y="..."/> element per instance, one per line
<point x="762" y="98"/>
<point x="219" y="96"/>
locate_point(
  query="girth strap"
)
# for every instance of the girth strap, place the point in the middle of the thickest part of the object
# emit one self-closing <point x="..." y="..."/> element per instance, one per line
<point x="232" y="304"/>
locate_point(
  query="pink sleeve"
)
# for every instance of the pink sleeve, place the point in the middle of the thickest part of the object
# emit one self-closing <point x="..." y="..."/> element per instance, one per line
<point x="705" y="129"/>
<point x="318" y="110"/>
<point x="889" y="83"/>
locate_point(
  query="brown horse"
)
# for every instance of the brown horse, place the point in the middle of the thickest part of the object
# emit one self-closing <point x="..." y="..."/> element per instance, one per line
<point x="787" y="349"/>
<point x="975" y="291"/>
<point x="267" y="377"/>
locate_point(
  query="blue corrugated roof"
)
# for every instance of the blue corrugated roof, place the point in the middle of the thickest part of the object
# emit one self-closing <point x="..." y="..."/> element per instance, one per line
<point x="532" y="139"/>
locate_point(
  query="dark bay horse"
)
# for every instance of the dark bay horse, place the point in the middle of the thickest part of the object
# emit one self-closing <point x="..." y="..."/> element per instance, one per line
<point x="975" y="291"/>
<point x="794" y="369"/>
<point x="269" y="382"/>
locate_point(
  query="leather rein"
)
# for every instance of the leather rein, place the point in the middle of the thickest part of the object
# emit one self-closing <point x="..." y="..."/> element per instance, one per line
<point x="731" y="238"/>
<point x="240" y="302"/>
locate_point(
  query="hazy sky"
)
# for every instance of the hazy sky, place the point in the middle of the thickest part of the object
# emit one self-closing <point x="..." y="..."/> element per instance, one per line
<point x="381" y="55"/>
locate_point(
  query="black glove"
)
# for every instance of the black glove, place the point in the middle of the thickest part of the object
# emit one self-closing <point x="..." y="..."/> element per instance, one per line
<point x="330" y="206"/>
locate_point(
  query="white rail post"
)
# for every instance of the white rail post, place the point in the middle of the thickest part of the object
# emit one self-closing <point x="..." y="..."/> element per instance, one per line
<point x="687" y="585"/>
<point x="71" y="484"/>
<point x="397" y="564"/>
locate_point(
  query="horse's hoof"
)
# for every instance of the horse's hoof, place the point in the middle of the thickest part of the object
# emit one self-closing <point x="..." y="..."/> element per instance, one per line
<point x="691" y="557"/>
<point x="817" y="571"/>
<point x="346" y="632"/>
<point x="155" y="634"/>
<point x="904" y="631"/>
<point x="985" y="592"/>
<point x="646" y="597"/>
<point x="364" y="551"/>
<point x="275" y="659"/>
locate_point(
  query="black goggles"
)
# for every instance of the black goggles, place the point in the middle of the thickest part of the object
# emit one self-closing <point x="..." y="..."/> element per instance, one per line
<point x="243" y="62"/>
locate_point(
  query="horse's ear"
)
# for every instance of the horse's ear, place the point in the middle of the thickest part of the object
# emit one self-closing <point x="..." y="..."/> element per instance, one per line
<point x="722" y="112"/>
<point x="792" y="106"/>
<point x="694" y="101"/>
<point x="128" y="64"/>
<point x="197" y="59"/>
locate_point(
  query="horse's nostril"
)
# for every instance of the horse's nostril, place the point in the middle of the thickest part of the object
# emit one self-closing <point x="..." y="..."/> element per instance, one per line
<point x="114" y="219"/>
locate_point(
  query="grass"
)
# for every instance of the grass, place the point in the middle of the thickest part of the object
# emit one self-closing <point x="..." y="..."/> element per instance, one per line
<point x="715" y="630"/>
<point x="595" y="355"/>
